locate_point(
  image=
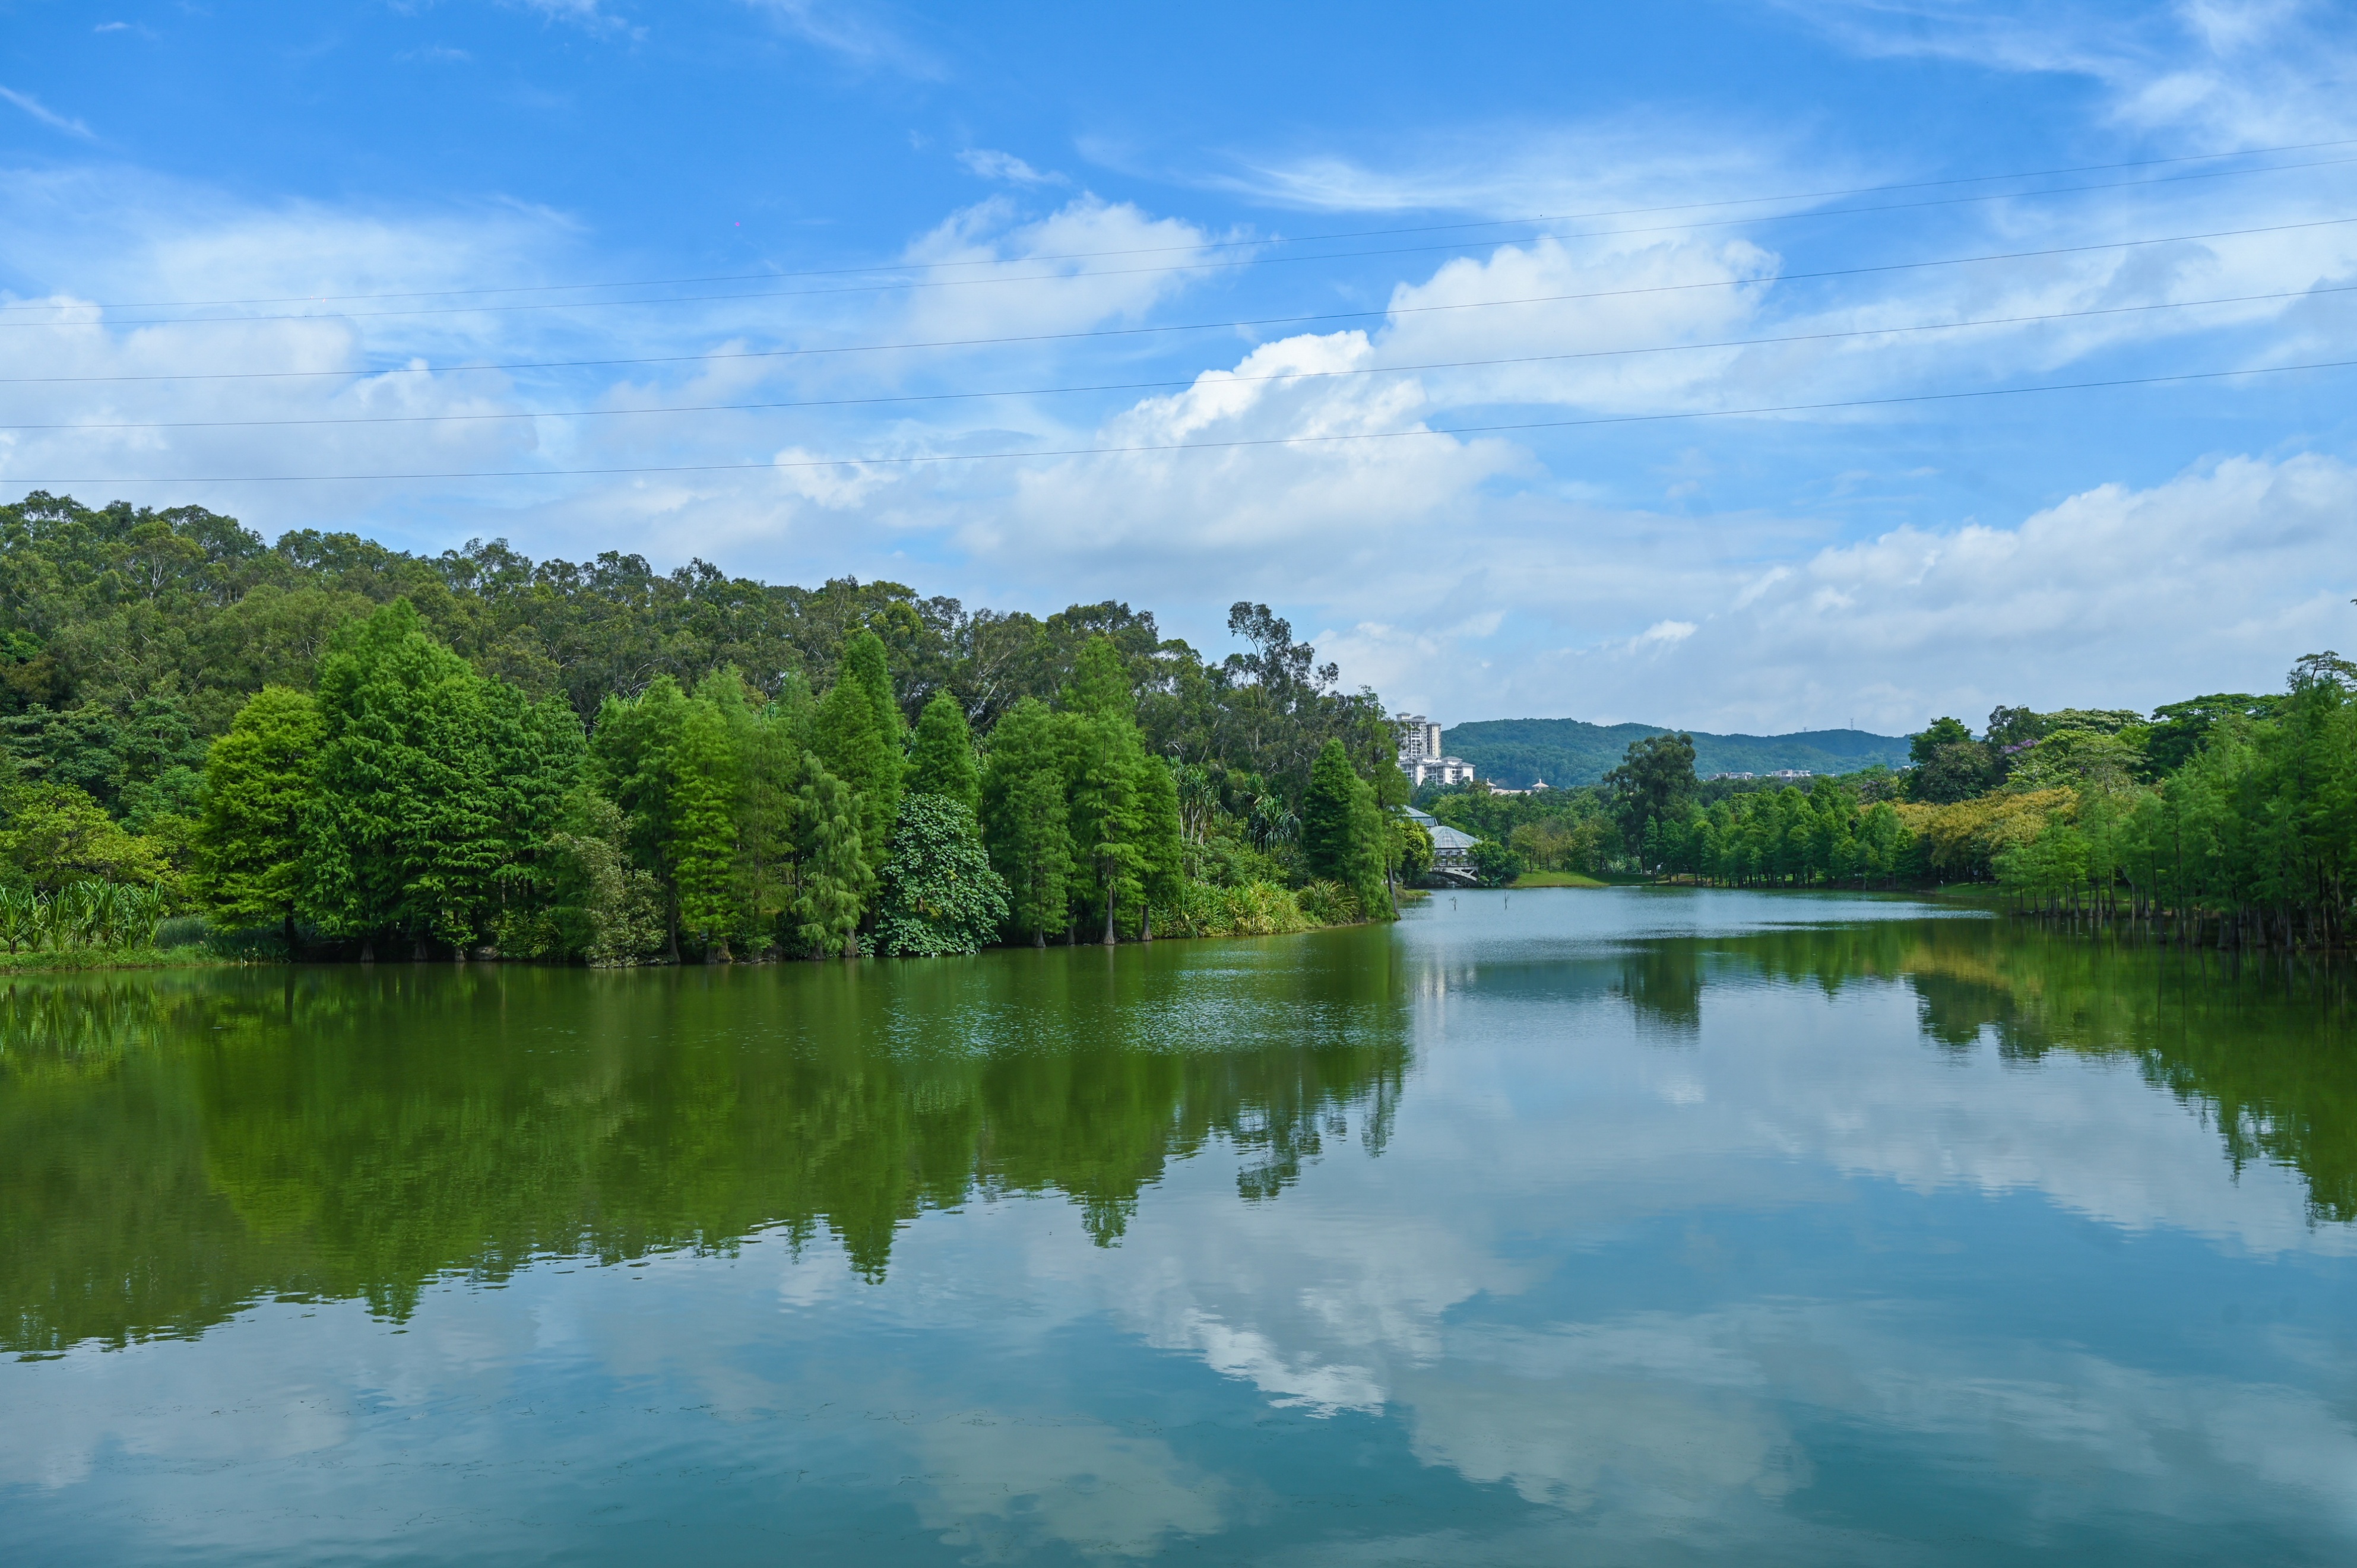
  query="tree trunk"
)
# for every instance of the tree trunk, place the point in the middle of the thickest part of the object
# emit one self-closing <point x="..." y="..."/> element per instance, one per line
<point x="368" y="950"/>
<point x="1110" y="938"/>
<point x="1145" y="924"/>
<point x="290" y="934"/>
<point x="1039" y="939"/>
<point x="417" y="950"/>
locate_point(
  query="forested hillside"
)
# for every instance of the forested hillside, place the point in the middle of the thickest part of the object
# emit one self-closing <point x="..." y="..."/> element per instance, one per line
<point x="360" y="747"/>
<point x="1513" y="753"/>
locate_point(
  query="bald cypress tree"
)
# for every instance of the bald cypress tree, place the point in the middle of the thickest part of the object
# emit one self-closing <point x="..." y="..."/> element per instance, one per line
<point x="941" y="757"/>
<point x="257" y="784"/>
<point x="1107" y="763"/>
<point x="1343" y="828"/>
<point x="856" y="734"/>
<point x="410" y="824"/>
<point x="1024" y="825"/>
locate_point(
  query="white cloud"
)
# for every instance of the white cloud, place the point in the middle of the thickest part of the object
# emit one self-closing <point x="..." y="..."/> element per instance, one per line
<point x="1088" y="261"/>
<point x="859" y="34"/>
<point x="46" y="115"/>
<point x="1521" y="171"/>
<point x="1006" y="166"/>
<point x="2216" y="74"/>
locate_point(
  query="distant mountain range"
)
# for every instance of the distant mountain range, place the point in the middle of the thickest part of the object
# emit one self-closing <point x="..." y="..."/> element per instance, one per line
<point x="1513" y="752"/>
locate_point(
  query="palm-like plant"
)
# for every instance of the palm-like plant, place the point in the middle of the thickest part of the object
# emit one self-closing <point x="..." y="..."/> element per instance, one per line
<point x="17" y="912"/>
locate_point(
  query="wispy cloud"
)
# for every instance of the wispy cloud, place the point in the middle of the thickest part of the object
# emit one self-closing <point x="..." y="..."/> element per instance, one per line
<point x="1513" y="170"/>
<point x="857" y="32"/>
<point x="2229" y="72"/>
<point x="47" y="115"/>
<point x="991" y="165"/>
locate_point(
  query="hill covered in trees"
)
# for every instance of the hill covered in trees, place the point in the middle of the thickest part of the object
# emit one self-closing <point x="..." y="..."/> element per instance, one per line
<point x="364" y="748"/>
<point x="1514" y="753"/>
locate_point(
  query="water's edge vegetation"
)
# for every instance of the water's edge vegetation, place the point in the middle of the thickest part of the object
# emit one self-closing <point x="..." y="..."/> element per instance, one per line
<point x="330" y="749"/>
<point x="333" y="750"/>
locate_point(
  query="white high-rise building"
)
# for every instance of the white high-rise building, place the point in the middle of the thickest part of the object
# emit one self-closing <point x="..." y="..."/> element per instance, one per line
<point x="1419" y="754"/>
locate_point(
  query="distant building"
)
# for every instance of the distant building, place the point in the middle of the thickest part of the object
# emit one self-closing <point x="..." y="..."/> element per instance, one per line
<point x="1538" y="787"/>
<point x="1452" y="851"/>
<point x="1419" y="754"/>
<point x="1717" y="776"/>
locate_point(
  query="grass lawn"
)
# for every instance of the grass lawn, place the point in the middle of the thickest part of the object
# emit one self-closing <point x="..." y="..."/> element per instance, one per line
<point x="1556" y="879"/>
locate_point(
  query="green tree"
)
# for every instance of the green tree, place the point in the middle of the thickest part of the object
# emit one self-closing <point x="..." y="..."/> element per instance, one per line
<point x="257" y="787"/>
<point x="405" y="831"/>
<point x="941" y="895"/>
<point x="669" y="762"/>
<point x="1026" y="824"/>
<point x="834" y="877"/>
<point x="941" y="754"/>
<point x="53" y="834"/>
<point x="1656" y="780"/>
<point x="1107" y="761"/>
<point x="1956" y="770"/>
<point x="1162" y="840"/>
<point x="1343" y="829"/>
<point x="702" y="843"/>
<point x="855" y="734"/>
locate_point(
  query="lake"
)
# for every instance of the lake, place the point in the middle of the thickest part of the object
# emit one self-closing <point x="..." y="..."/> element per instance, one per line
<point x="1639" y="1226"/>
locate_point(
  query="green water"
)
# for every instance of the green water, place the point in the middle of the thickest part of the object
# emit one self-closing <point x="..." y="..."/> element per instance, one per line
<point x="1629" y="1226"/>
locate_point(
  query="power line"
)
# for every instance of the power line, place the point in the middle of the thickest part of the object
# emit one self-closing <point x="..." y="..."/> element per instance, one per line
<point x="873" y="288"/>
<point x="1305" y="239"/>
<point x="909" y="460"/>
<point x="1204" y="326"/>
<point x="1159" y="385"/>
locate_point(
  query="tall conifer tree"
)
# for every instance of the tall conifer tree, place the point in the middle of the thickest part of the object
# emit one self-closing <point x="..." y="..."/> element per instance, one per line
<point x="1107" y="761"/>
<point x="257" y="784"/>
<point x="403" y="830"/>
<point x="941" y="757"/>
<point x="857" y="734"/>
<point x="1024" y="821"/>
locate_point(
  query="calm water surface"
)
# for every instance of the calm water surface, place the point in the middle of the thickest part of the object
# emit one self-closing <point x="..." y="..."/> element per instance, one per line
<point x="1630" y="1227"/>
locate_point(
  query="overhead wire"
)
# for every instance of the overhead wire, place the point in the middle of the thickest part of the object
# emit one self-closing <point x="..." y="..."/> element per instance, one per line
<point x="892" y="459"/>
<point x="1198" y="246"/>
<point x="1225" y="380"/>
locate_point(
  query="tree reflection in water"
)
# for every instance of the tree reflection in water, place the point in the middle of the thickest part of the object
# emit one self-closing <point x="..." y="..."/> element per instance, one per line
<point x="174" y="1147"/>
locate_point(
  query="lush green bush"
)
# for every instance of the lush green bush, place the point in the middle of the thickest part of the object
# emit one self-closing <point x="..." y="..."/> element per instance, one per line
<point x="1327" y="902"/>
<point x="1494" y="864"/>
<point x="1255" y="910"/>
<point x="940" y="894"/>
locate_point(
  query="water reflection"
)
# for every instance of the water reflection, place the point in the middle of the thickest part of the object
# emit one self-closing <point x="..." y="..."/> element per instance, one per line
<point x="173" y="1147"/>
<point x="1644" y="1228"/>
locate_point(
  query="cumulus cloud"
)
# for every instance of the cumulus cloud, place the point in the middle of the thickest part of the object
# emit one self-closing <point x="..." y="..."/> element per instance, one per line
<point x="997" y="273"/>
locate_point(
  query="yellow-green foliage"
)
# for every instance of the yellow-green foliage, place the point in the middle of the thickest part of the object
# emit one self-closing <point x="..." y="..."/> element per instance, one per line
<point x="1966" y="838"/>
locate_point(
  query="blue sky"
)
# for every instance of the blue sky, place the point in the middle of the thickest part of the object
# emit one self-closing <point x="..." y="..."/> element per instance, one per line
<point x="1297" y="238"/>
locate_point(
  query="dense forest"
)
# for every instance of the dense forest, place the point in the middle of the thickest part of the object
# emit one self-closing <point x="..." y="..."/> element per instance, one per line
<point x="2229" y="818"/>
<point x="1517" y="753"/>
<point x="365" y="751"/>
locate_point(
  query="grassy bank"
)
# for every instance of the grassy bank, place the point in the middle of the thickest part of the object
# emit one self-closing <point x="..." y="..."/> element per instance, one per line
<point x="190" y="957"/>
<point x="1557" y="879"/>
